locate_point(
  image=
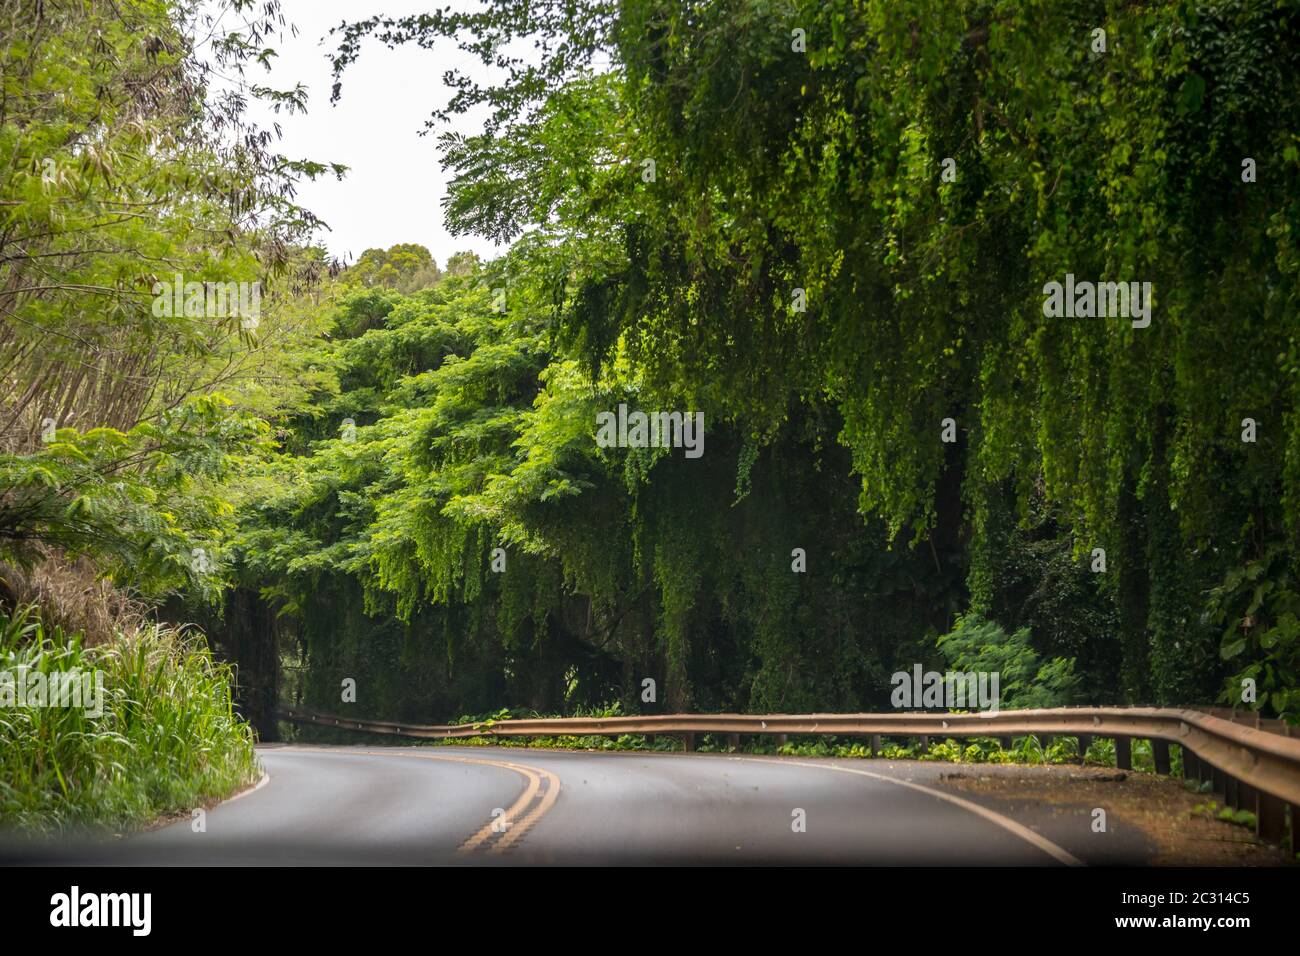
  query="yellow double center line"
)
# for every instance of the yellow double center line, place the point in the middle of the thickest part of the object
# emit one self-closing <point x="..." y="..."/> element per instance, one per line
<point x="511" y="826"/>
<point x="515" y="822"/>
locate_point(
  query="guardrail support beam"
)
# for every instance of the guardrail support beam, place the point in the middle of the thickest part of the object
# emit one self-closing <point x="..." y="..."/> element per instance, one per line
<point x="1124" y="753"/>
<point x="875" y="745"/>
<point x="1204" y="771"/>
<point x="1246" y="795"/>
<point x="1160" y="753"/>
<point x="1085" y="741"/>
<point x="1270" y="817"/>
<point x="688" y="742"/>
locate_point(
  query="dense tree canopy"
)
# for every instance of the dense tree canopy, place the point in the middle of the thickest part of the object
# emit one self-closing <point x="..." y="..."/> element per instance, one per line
<point x="833" y="230"/>
<point x="125" y="172"/>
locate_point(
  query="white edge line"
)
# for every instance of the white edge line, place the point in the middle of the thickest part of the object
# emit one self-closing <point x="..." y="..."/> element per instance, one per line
<point x="266" y="778"/>
<point x="1037" y="839"/>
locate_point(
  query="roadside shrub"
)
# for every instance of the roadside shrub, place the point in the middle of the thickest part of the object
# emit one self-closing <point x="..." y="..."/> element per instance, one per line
<point x="167" y="739"/>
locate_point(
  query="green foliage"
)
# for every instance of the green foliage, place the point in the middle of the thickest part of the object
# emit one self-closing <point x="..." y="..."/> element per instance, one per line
<point x="820" y="170"/>
<point x="703" y="219"/>
<point x="1025" y="680"/>
<point x="1211" y="809"/>
<point x="139" y="501"/>
<point x="122" y="171"/>
<point x="1258" y="606"/>
<point x="469" y="435"/>
<point x="167" y="740"/>
<point x="406" y="267"/>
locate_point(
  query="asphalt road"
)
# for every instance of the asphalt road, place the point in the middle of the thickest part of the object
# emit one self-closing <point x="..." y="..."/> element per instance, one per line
<point x="480" y="805"/>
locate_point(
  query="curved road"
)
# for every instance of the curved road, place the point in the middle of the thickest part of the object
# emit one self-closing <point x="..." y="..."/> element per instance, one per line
<point x="484" y="805"/>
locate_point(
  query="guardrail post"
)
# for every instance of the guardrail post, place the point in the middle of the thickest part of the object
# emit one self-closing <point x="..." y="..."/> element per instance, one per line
<point x="733" y="741"/>
<point x="1160" y="753"/>
<point x="1270" y="817"/>
<point x="925" y="744"/>
<point x="782" y="740"/>
<point x="1248" y="799"/>
<point x="650" y="739"/>
<point x="1204" y="771"/>
<point x="1218" y="782"/>
<point x="688" y="742"/>
<point x="1004" y="743"/>
<point x="875" y="745"/>
<point x="1232" y="791"/>
<point x="1124" y="753"/>
<point x="1085" y="741"/>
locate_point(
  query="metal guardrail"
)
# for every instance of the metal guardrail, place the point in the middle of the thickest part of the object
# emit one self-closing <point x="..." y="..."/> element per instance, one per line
<point x="1253" y="764"/>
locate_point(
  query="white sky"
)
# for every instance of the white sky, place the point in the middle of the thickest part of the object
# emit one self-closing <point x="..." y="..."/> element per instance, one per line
<point x="394" y="187"/>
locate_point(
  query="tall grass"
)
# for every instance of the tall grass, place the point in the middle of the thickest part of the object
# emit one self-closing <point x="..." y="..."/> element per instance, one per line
<point x="168" y="738"/>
